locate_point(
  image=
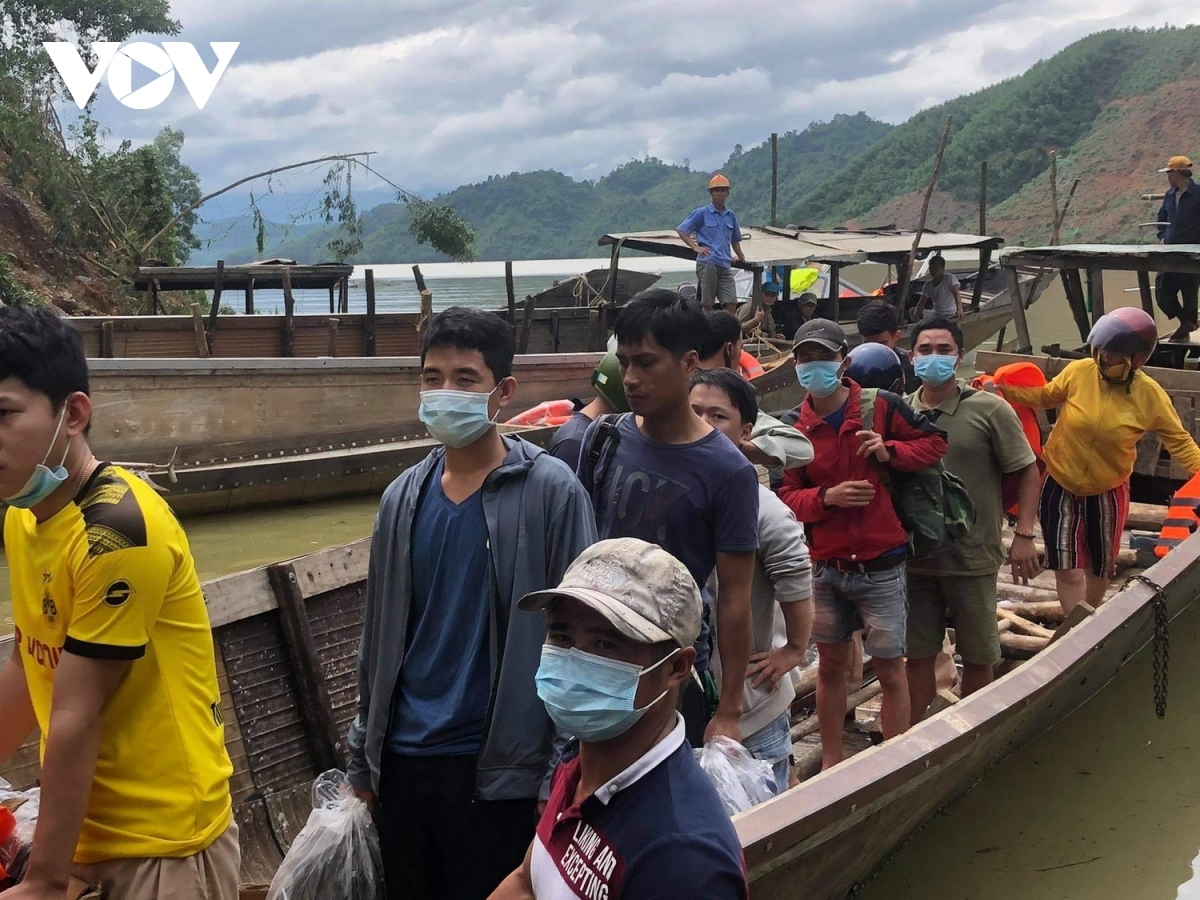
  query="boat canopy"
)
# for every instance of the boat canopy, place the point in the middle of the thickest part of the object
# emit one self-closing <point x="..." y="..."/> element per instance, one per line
<point x="263" y="276"/>
<point x="1128" y="257"/>
<point x="792" y="246"/>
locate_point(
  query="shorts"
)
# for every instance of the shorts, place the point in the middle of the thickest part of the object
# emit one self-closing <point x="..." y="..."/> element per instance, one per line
<point x="211" y="874"/>
<point x="773" y="744"/>
<point x="970" y="601"/>
<point x="1083" y="532"/>
<point x="846" y="602"/>
<point x="715" y="281"/>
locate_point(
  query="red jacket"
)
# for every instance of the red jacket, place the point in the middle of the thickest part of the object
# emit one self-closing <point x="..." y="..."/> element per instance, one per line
<point x="868" y="531"/>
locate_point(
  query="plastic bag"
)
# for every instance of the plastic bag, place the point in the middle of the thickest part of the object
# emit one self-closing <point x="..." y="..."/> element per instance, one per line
<point x="15" y="846"/>
<point x="336" y="853"/>
<point x="740" y="779"/>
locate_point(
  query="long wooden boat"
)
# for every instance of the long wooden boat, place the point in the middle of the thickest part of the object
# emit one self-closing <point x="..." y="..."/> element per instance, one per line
<point x="286" y="637"/>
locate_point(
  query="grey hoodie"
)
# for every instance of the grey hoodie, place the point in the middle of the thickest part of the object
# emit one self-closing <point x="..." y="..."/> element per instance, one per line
<point x="539" y="518"/>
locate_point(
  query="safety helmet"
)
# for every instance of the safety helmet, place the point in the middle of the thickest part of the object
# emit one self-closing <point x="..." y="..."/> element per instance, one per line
<point x="606" y="379"/>
<point x="1127" y="331"/>
<point x="718" y="181"/>
<point x="874" y="366"/>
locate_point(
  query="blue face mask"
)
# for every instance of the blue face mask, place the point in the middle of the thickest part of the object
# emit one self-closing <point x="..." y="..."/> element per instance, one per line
<point x="43" y="481"/>
<point x="591" y="696"/>
<point x="820" y="377"/>
<point x="936" y="369"/>
<point x="456" y="418"/>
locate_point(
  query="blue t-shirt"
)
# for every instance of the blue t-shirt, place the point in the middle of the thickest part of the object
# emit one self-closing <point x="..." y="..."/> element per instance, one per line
<point x="716" y="230"/>
<point x="444" y="686"/>
<point x="568" y="440"/>
<point x="693" y="500"/>
<point x="658" y="831"/>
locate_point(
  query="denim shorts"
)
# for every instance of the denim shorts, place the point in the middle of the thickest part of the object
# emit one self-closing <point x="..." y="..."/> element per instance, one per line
<point x="773" y="744"/>
<point x="845" y="602"/>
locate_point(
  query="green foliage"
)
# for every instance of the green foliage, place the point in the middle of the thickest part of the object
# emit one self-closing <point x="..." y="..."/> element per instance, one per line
<point x="12" y="292"/>
<point x="441" y="227"/>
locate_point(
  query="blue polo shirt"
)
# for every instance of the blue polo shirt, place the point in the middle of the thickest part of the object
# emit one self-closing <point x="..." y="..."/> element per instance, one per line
<point x="1180" y="214"/>
<point x="715" y="230"/>
<point x="657" y="831"/>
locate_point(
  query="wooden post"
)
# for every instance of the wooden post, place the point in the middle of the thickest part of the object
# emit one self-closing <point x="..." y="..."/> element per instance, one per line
<point x="420" y="279"/>
<point x="333" y="336"/>
<point x="1144" y="289"/>
<point x="1018" y="310"/>
<point x="756" y="282"/>
<point x="106" y="339"/>
<point x="346" y="295"/>
<point x="1073" y="288"/>
<point x="595" y="339"/>
<point x="1095" y="283"/>
<point x="613" y="269"/>
<point x="250" y="296"/>
<point x="526" y="325"/>
<point x="323" y="733"/>
<point x="835" y="291"/>
<point x="198" y="329"/>
<point x="369" y="323"/>
<point x="215" y="309"/>
<point x="289" y="311"/>
<point x="510" y="292"/>
<point x="906" y="276"/>
<point x="555" y="325"/>
<point x="983" y="197"/>
<point x="426" y="313"/>
<point x="985" y="260"/>
<point x="332" y="307"/>
<point x="774" y="173"/>
<point x="1000" y="339"/>
<point x="1054" y="197"/>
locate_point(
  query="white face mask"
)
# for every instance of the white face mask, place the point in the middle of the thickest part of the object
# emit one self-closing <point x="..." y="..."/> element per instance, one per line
<point x="456" y="418"/>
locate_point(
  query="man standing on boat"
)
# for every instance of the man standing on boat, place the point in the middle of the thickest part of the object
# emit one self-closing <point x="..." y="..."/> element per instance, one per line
<point x="858" y="544"/>
<point x="713" y="233"/>
<point x="1180" y="218"/>
<point x="451" y="739"/>
<point x="986" y="444"/>
<point x="664" y="475"/>
<point x="113" y="654"/>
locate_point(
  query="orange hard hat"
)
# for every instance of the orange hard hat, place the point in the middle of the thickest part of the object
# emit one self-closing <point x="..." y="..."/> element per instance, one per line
<point x="718" y="181"/>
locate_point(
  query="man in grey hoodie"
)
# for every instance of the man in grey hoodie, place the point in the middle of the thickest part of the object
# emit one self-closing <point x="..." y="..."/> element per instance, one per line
<point x="451" y="743"/>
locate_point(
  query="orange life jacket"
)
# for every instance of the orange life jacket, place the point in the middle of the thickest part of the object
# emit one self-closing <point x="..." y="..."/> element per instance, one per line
<point x="1183" y="518"/>
<point x="1021" y="374"/>
<point x="749" y="365"/>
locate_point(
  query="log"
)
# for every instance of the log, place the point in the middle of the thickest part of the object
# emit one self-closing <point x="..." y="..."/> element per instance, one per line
<point x="1147" y="516"/>
<point x="1082" y="611"/>
<point x="198" y="329"/>
<point x="419" y="278"/>
<point x="808" y="762"/>
<point x="526" y="325"/>
<point x="1025" y="594"/>
<point x="1022" y="625"/>
<point x="1047" y="610"/>
<point x="853" y="702"/>
<point x="426" y="313"/>
<point x="1126" y="556"/>
<point x="1021" y="646"/>
<point x="1003" y="625"/>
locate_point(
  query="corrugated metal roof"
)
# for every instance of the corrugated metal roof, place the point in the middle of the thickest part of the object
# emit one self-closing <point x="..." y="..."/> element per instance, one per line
<point x="1102" y="253"/>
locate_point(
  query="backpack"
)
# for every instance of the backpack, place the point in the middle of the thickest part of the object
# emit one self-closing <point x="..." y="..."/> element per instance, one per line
<point x="601" y="446"/>
<point x="933" y="504"/>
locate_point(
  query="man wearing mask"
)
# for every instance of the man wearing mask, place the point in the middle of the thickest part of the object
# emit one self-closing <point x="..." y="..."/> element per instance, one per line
<point x="631" y="814"/>
<point x="1180" y="218"/>
<point x="986" y="443"/>
<point x="856" y="540"/>
<point x="450" y="739"/>
<point x="878" y="323"/>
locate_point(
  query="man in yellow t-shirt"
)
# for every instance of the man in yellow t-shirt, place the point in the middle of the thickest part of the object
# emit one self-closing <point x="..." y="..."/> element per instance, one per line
<point x="113" y="656"/>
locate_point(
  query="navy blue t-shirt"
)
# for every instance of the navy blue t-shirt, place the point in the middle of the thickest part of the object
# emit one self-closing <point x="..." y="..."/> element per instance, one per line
<point x="568" y="439"/>
<point x="658" y="831"/>
<point x="444" y="687"/>
<point x="693" y="500"/>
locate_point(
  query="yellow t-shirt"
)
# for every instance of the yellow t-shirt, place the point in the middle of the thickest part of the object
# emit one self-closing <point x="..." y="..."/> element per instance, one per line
<point x="111" y="576"/>
<point x="1093" y="445"/>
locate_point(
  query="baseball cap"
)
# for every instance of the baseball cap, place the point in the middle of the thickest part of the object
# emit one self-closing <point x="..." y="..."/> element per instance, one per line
<point x="770" y="287"/>
<point x="827" y="333"/>
<point x="641" y="589"/>
<point x="1177" y="164"/>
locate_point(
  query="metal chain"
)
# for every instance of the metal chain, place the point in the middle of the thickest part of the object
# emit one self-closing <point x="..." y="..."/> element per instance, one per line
<point x="1162" y="644"/>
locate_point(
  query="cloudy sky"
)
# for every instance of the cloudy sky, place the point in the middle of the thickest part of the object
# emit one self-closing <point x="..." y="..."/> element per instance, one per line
<point x="451" y="91"/>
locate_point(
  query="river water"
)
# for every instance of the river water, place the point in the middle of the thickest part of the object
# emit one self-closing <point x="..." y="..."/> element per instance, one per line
<point x="1106" y="805"/>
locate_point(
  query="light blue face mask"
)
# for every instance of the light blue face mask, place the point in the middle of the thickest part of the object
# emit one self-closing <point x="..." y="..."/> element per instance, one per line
<point x="591" y="696"/>
<point x="456" y="418"/>
<point x="935" y="369"/>
<point x="819" y="377"/>
<point x="43" y="481"/>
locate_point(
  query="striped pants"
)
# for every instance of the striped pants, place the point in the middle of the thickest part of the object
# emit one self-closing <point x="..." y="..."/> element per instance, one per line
<point x="1083" y="532"/>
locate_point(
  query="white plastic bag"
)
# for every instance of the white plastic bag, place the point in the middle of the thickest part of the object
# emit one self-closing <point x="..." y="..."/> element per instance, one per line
<point x="336" y="853"/>
<point x="740" y="779"/>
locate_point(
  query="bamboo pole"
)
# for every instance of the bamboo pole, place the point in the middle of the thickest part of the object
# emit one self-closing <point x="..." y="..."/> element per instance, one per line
<point x="983" y="179"/>
<point x="1054" y="197"/>
<point x="912" y="256"/>
<point x="774" y="173"/>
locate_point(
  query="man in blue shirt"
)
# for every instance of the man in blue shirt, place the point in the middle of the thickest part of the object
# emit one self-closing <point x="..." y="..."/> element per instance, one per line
<point x="631" y="814"/>
<point x="1180" y="218"/>
<point x="712" y="232"/>
<point x="450" y="737"/>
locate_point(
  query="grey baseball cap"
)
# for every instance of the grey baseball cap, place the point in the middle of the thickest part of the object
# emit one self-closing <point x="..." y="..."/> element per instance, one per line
<point x="641" y="589"/>
<point x="826" y="332"/>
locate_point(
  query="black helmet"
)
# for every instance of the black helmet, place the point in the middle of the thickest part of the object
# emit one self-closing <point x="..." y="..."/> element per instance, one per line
<point x="874" y="366"/>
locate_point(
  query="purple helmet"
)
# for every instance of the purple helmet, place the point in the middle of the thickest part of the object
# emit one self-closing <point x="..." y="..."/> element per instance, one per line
<point x="1126" y="331"/>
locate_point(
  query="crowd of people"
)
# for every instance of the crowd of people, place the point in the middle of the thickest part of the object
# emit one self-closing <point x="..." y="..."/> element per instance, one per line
<point x="548" y="633"/>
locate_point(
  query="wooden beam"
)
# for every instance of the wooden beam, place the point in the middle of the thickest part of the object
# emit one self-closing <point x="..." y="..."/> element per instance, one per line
<point x="595" y="339"/>
<point x="510" y="293"/>
<point x="250" y="296"/>
<point x="323" y="733"/>
<point x="106" y="339"/>
<point x="756" y="282"/>
<point x="526" y="325"/>
<point x="983" y="197"/>
<point x="1081" y="612"/>
<point x="332" y="301"/>
<point x="332" y="326"/>
<point x="985" y="260"/>
<point x="198" y="329"/>
<point x="835" y="291"/>
<point x="1018" y="310"/>
<point x="371" y="348"/>
<point x="613" y="269"/>
<point x="1095" y="283"/>
<point x="289" y="312"/>
<point x="215" y="309"/>
<point x="1022" y="625"/>
<point x="1073" y="288"/>
<point x="774" y="174"/>
<point x="345" y="293"/>
<point x="1144" y="290"/>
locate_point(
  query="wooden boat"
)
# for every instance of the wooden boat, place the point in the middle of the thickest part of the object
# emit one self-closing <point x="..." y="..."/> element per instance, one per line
<point x="592" y="289"/>
<point x="1173" y="365"/>
<point x="286" y="636"/>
